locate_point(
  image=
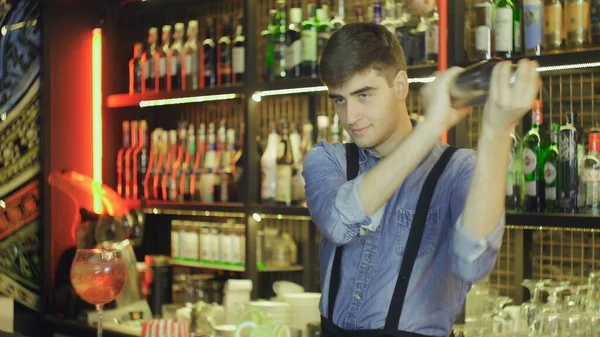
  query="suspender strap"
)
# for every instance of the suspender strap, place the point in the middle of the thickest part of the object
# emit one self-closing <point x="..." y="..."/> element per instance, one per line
<point x="352" y="167"/>
<point x="413" y="242"/>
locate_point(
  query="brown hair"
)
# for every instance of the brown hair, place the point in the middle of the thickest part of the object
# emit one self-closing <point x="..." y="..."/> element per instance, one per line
<point x="358" y="47"/>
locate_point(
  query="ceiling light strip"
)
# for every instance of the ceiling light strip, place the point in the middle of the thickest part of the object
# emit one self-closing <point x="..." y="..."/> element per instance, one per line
<point x="186" y="100"/>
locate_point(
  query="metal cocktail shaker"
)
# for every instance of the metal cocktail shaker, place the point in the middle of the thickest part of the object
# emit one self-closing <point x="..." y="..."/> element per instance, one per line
<point x="472" y="86"/>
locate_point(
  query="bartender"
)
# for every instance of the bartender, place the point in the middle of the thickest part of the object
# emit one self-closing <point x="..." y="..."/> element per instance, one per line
<point x="408" y="223"/>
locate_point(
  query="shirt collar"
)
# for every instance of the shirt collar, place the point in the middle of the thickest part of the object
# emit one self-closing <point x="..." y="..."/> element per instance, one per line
<point x="366" y="154"/>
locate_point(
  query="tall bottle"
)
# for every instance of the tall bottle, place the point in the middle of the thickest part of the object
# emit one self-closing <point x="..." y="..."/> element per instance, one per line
<point x="553" y="24"/>
<point x="238" y="52"/>
<point x="278" y="38"/>
<point x="551" y="165"/>
<point x="590" y="176"/>
<point x="198" y="166"/>
<point x="309" y="41"/>
<point x="533" y="146"/>
<point x="207" y="184"/>
<point x="135" y="69"/>
<point x="142" y="158"/>
<point x="577" y="13"/>
<point x="324" y="29"/>
<point x="174" y="80"/>
<point x="507" y="27"/>
<point x="568" y="185"/>
<point x="268" y="164"/>
<point x="432" y="37"/>
<point x="191" y="58"/>
<point x="161" y="59"/>
<point x="338" y="21"/>
<point x="187" y="167"/>
<point x="293" y="44"/>
<point x="129" y="160"/>
<point x="224" y="53"/>
<point x="210" y="54"/>
<point x="149" y="61"/>
<point x="285" y="168"/>
<point x="514" y="182"/>
<point x="121" y="159"/>
<point x="484" y="36"/>
<point x="532" y="19"/>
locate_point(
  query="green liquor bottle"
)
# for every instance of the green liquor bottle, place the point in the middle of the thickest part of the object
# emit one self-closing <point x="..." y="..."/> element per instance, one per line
<point x="551" y="172"/>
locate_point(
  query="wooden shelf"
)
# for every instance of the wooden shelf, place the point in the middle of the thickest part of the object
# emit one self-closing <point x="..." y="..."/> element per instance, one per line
<point x="559" y="58"/>
<point x="564" y="220"/>
<point x="280" y="269"/>
<point x="131" y="100"/>
<point x="193" y="208"/>
<point x="193" y="264"/>
<point x="299" y="211"/>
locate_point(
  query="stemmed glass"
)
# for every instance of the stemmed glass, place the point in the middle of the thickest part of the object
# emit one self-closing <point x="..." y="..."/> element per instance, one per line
<point x="98" y="276"/>
<point x="531" y="308"/>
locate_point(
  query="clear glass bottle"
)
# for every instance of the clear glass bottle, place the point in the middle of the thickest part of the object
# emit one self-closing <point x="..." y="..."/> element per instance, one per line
<point x="590" y="176"/>
<point x="507" y="27"/>
<point x="191" y="58"/>
<point x="532" y="22"/>
<point x="484" y="36"/>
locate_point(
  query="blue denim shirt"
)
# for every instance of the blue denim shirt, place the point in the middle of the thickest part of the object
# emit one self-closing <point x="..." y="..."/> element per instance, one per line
<point x="449" y="259"/>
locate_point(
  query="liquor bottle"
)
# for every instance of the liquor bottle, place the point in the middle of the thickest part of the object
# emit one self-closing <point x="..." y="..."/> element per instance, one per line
<point x="268" y="164"/>
<point x="224" y="71"/>
<point x="240" y="177"/>
<point x="507" y="27"/>
<point x="269" y="74"/>
<point x="335" y="130"/>
<point x="239" y="52"/>
<point x="229" y="188"/>
<point x="389" y="20"/>
<point x="207" y="183"/>
<point x="187" y="167"/>
<point x="168" y="184"/>
<point x="377" y="12"/>
<point x="297" y="179"/>
<point x="142" y="157"/>
<point x="128" y="183"/>
<point x="152" y="163"/>
<point x="553" y="25"/>
<point x="577" y="21"/>
<point x="220" y="187"/>
<point x="590" y="176"/>
<point x="595" y="21"/>
<point x="484" y="36"/>
<point x="514" y="183"/>
<point x="416" y="53"/>
<point x="568" y="188"/>
<point x="551" y="173"/>
<point x="157" y="186"/>
<point x="322" y="128"/>
<point x="121" y="160"/>
<point x="533" y="145"/>
<point x="532" y="18"/>
<point x="196" y="176"/>
<point x="432" y="37"/>
<point x="285" y="168"/>
<point x="293" y="44"/>
<point x="161" y="59"/>
<point x="359" y="12"/>
<point x="309" y="41"/>
<point x="190" y="71"/>
<point x="177" y="166"/>
<point x="210" y="54"/>
<point x="174" y="81"/>
<point x="135" y="69"/>
<point x="278" y="38"/>
<point x="149" y="61"/>
<point x="324" y="29"/>
<point x="338" y="21"/>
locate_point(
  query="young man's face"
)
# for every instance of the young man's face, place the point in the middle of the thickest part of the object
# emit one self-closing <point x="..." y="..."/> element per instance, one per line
<point x="368" y="107"/>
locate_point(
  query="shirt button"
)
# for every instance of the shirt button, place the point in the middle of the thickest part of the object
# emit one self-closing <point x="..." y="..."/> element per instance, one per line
<point x="358" y="297"/>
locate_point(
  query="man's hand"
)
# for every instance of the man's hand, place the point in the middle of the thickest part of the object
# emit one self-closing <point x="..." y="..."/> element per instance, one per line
<point x="436" y="100"/>
<point x="508" y="103"/>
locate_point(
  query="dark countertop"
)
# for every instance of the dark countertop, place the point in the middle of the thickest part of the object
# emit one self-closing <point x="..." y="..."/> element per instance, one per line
<point x="74" y="328"/>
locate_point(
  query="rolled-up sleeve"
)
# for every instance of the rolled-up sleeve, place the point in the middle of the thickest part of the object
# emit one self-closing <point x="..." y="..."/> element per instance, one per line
<point x="333" y="202"/>
<point x="474" y="258"/>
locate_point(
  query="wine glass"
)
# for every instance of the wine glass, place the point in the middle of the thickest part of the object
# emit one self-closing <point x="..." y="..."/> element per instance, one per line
<point x="98" y="276"/>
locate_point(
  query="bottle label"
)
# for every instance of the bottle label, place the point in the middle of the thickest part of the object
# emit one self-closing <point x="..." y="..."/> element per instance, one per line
<point x="225" y="58"/>
<point x="188" y="64"/>
<point x="533" y="25"/>
<point x="530" y="188"/>
<point x="529" y="161"/>
<point x="577" y="16"/>
<point x="553" y="23"/>
<point x="239" y="58"/>
<point x="550" y="193"/>
<point x="293" y="54"/>
<point x="283" y="189"/>
<point x="483" y="38"/>
<point x="309" y="45"/>
<point x="162" y="67"/>
<point x="517" y="36"/>
<point x="431" y="40"/>
<point x="503" y="24"/>
<point x="590" y="175"/>
<point x="549" y="173"/>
